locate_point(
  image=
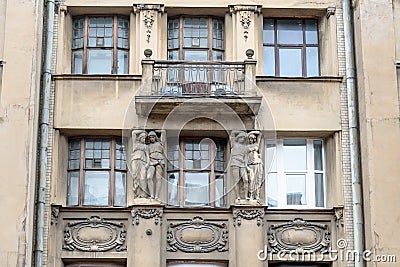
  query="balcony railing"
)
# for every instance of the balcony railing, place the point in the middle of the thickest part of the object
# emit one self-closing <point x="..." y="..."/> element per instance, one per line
<point x="180" y="78"/>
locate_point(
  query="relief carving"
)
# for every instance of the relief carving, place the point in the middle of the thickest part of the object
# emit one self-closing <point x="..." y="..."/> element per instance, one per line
<point x="55" y="211"/>
<point x="94" y="235"/>
<point x="245" y="19"/>
<point x="339" y="216"/>
<point x="298" y="235"/>
<point x="197" y="236"/>
<point x="147" y="214"/>
<point x="248" y="214"/>
<point x="245" y="13"/>
<point x="148" y="22"/>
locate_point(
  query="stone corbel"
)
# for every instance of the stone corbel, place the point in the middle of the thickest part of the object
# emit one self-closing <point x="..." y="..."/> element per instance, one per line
<point x="149" y="12"/>
<point x="248" y="214"/>
<point x="338" y="216"/>
<point x="330" y="11"/>
<point x="55" y="210"/>
<point x="245" y="13"/>
<point x="147" y="213"/>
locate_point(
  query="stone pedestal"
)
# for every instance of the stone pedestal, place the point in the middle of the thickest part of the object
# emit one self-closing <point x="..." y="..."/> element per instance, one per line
<point x="249" y="233"/>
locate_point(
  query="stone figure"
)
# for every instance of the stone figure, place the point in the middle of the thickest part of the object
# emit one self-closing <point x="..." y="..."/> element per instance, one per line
<point x="255" y="164"/>
<point x="140" y="161"/>
<point x="156" y="168"/>
<point x="239" y="158"/>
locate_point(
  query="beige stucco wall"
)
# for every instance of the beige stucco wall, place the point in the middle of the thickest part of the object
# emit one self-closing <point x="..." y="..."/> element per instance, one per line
<point x="20" y="47"/>
<point x="376" y="54"/>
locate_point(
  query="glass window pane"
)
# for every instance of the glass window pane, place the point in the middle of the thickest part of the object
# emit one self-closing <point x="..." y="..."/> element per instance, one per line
<point x="73" y="188"/>
<point x="312" y="61"/>
<point x="319" y="190"/>
<point x="196" y="189"/>
<point x="120" y="189"/>
<point x="122" y="62"/>
<point x="195" y="55"/>
<point x="217" y="56"/>
<point x="99" y="61"/>
<point x="318" y="155"/>
<point x="294" y="154"/>
<point x="77" y="62"/>
<point x="272" y="190"/>
<point x="96" y="188"/>
<point x="311" y="31"/>
<point x="296" y="189"/>
<point x="173" y="55"/>
<point x="269" y="60"/>
<point x="172" y="264"/>
<point x="290" y="31"/>
<point x="219" y="190"/>
<point x="173" y="179"/>
<point x="268" y="31"/>
<point x="290" y="63"/>
<point x="271" y="156"/>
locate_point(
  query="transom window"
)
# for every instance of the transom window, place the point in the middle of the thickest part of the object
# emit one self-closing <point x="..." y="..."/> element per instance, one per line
<point x="195" y="39"/>
<point x="100" y="45"/>
<point x="196" y="177"/>
<point x="296" y="173"/>
<point x="96" y="172"/>
<point x="291" y="47"/>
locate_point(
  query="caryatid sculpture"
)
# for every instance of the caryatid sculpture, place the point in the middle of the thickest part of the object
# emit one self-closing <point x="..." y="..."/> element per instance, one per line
<point x="156" y="170"/>
<point x="140" y="161"/>
<point x="255" y="164"/>
<point x="238" y="162"/>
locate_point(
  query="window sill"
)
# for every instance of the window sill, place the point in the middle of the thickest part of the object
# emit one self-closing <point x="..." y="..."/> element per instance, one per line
<point x="111" y="77"/>
<point x="304" y="210"/>
<point x="262" y="78"/>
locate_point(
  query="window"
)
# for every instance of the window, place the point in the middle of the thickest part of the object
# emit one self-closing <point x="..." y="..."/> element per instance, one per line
<point x="291" y="47"/>
<point x="196" y="39"/>
<point x="99" y="264"/>
<point x="100" y="45"/>
<point x="96" y="172"/>
<point x="194" y="264"/>
<point x="298" y="264"/>
<point x="196" y="176"/>
<point x="296" y="173"/>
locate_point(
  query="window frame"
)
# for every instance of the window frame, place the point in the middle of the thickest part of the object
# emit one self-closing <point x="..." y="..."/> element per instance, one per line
<point x="309" y="172"/>
<point x="85" y="47"/>
<point x="276" y="46"/>
<point x="181" y="48"/>
<point x="181" y="170"/>
<point x="82" y="169"/>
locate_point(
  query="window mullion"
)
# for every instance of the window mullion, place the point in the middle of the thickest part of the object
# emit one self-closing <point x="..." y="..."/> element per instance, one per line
<point x="310" y="178"/>
<point x="280" y="173"/>
<point x="111" y="193"/>
<point x="81" y="186"/>
<point x="276" y="50"/>
<point x="181" y="37"/>
<point x="115" y="45"/>
<point x="303" y="54"/>
<point x="181" y="181"/>
<point x="211" y="178"/>
<point x="85" y="45"/>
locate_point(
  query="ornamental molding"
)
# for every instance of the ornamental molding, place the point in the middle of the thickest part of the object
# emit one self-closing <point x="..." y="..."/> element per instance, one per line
<point x="338" y="216"/>
<point x="156" y="7"/>
<point x="252" y="8"/>
<point x="245" y="19"/>
<point x="197" y="236"/>
<point x="55" y="211"/>
<point x="298" y="236"/>
<point x="94" y="235"/>
<point x="147" y="214"/>
<point x="330" y="11"/>
<point x="248" y="214"/>
<point x="149" y="13"/>
<point x="148" y="23"/>
<point x="245" y="13"/>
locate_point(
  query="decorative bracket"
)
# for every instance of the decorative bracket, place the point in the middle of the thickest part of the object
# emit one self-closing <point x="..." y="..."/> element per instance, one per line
<point x="147" y="214"/>
<point x="148" y="16"/>
<point x="339" y="216"/>
<point x="248" y="214"/>
<point x="330" y="11"/>
<point x="55" y="210"/>
<point x="245" y="13"/>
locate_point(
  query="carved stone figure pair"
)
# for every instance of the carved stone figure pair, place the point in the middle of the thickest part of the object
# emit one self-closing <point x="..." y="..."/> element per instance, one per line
<point x="148" y="163"/>
<point x="246" y="164"/>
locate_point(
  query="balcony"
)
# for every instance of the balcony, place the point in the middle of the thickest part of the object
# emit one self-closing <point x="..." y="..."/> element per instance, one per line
<point x="166" y="84"/>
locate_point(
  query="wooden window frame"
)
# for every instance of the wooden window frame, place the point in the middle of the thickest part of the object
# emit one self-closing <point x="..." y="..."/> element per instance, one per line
<point x="309" y="173"/>
<point x="85" y="48"/>
<point x="211" y="171"/>
<point x="82" y="168"/>
<point x="210" y="50"/>
<point x="303" y="46"/>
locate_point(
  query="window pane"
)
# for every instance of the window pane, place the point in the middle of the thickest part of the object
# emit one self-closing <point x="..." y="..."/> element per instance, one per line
<point x="272" y="190"/>
<point x="217" y="56"/>
<point x="295" y="154"/>
<point x="311" y="32"/>
<point x="269" y="60"/>
<point x="196" y="264"/>
<point x="271" y="156"/>
<point x="99" y="61"/>
<point x="196" y="189"/>
<point x="120" y="189"/>
<point x="195" y="55"/>
<point x="290" y="32"/>
<point x="96" y="188"/>
<point x="318" y="155"/>
<point x="122" y="62"/>
<point x="173" y="55"/>
<point x="296" y="189"/>
<point x="319" y="190"/>
<point x="173" y="179"/>
<point x="290" y="62"/>
<point x="219" y="190"/>
<point x="73" y="187"/>
<point x="268" y="31"/>
<point x="77" y="62"/>
<point x="312" y="61"/>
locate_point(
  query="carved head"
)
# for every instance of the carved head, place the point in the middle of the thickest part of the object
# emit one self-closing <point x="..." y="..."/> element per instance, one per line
<point x="142" y="137"/>
<point x="241" y="138"/>
<point x="252" y="139"/>
<point x="152" y="137"/>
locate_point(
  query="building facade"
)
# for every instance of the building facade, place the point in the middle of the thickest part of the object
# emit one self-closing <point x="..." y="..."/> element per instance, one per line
<point x="201" y="133"/>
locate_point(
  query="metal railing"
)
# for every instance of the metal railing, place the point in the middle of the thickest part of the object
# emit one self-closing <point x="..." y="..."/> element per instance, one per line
<point x="180" y="78"/>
